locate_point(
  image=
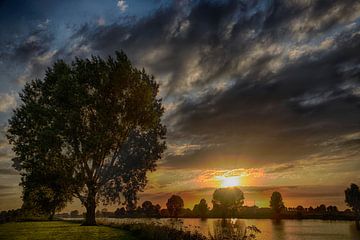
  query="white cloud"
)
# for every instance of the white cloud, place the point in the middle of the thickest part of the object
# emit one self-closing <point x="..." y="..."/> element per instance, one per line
<point x="40" y="61"/>
<point x="7" y="102"/>
<point x="122" y="5"/>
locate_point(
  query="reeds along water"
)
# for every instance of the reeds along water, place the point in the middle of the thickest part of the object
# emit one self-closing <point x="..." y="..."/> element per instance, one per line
<point x="233" y="229"/>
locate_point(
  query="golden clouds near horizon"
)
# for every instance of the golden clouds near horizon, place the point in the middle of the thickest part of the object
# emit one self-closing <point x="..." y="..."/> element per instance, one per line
<point x="231" y="181"/>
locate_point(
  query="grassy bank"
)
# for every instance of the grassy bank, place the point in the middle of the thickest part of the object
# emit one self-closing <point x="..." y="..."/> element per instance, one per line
<point x="60" y="230"/>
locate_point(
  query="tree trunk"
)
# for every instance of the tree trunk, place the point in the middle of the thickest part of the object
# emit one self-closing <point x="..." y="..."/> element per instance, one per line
<point x="90" y="209"/>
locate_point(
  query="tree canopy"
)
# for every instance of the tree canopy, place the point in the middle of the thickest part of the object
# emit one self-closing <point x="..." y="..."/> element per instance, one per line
<point x="276" y="203"/>
<point x="228" y="200"/>
<point x="174" y="205"/>
<point x="97" y="122"/>
<point x="201" y="209"/>
<point x="352" y="199"/>
<point x="150" y="210"/>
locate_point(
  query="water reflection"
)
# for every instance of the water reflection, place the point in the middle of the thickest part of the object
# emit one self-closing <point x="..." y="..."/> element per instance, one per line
<point x="354" y="233"/>
<point x="234" y="229"/>
<point x="278" y="230"/>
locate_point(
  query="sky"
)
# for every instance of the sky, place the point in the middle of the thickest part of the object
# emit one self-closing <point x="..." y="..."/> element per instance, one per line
<point x="260" y="94"/>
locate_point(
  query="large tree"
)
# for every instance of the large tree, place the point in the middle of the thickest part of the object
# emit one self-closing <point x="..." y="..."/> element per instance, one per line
<point x="352" y="199"/>
<point x="276" y="204"/>
<point x="96" y="121"/>
<point x="227" y="200"/>
<point x="174" y="205"/>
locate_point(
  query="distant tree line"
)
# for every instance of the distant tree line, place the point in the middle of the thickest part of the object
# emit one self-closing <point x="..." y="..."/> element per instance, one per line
<point x="227" y="203"/>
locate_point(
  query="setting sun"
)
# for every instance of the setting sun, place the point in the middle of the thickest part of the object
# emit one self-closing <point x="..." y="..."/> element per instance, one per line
<point x="232" y="181"/>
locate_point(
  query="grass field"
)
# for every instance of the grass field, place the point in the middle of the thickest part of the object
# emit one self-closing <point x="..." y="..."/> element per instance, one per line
<point x="60" y="231"/>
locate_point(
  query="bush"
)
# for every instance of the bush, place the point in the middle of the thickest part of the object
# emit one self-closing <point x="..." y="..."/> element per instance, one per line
<point x="20" y="215"/>
<point x="157" y="232"/>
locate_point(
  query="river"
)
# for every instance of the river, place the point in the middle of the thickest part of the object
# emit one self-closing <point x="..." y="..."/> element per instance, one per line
<point x="270" y="230"/>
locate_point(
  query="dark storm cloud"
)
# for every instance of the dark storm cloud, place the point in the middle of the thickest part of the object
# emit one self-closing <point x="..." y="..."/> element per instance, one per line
<point x="252" y="82"/>
<point x="36" y="43"/>
<point x="284" y="117"/>
<point x="178" y="30"/>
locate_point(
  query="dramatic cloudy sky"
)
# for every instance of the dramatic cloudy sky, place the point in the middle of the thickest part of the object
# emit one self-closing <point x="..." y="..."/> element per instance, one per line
<point x="260" y="94"/>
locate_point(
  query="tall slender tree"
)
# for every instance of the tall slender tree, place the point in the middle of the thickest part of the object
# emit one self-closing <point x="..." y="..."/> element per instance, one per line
<point x="276" y="204"/>
<point x="97" y="122"/>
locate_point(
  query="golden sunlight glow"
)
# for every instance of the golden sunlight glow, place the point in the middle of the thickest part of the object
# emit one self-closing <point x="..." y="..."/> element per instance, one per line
<point x="232" y="181"/>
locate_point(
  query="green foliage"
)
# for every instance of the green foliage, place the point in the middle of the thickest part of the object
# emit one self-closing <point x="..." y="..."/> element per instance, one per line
<point x="276" y="202"/>
<point x="95" y="122"/>
<point x="174" y="205"/>
<point x="227" y="201"/>
<point x="55" y="230"/>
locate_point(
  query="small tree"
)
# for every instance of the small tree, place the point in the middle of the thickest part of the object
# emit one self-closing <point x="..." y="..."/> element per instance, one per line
<point x="150" y="210"/>
<point x="174" y="205"/>
<point x="201" y="209"/>
<point x="228" y="200"/>
<point x="96" y="121"/>
<point x="45" y="193"/>
<point x="276" y="204"/>
<point x="352" y="199"/>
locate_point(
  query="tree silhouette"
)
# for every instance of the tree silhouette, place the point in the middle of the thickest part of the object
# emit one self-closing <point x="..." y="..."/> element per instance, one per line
<point x="74" y="213"/>
<point x="96" y="121"/>
<point x="174" y="205"/>
<point x="321" y="209"/>
<point x="151" y="210"/>
<point x="201" y="209"/>
<point x="276" y="204"/>
<point x="120" y="212"/>
<point x="352" y="199"/>
<point x="228" y="200"/>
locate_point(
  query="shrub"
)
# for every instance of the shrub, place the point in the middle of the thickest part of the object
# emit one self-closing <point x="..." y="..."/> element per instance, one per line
<point x="157" y="232"/>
